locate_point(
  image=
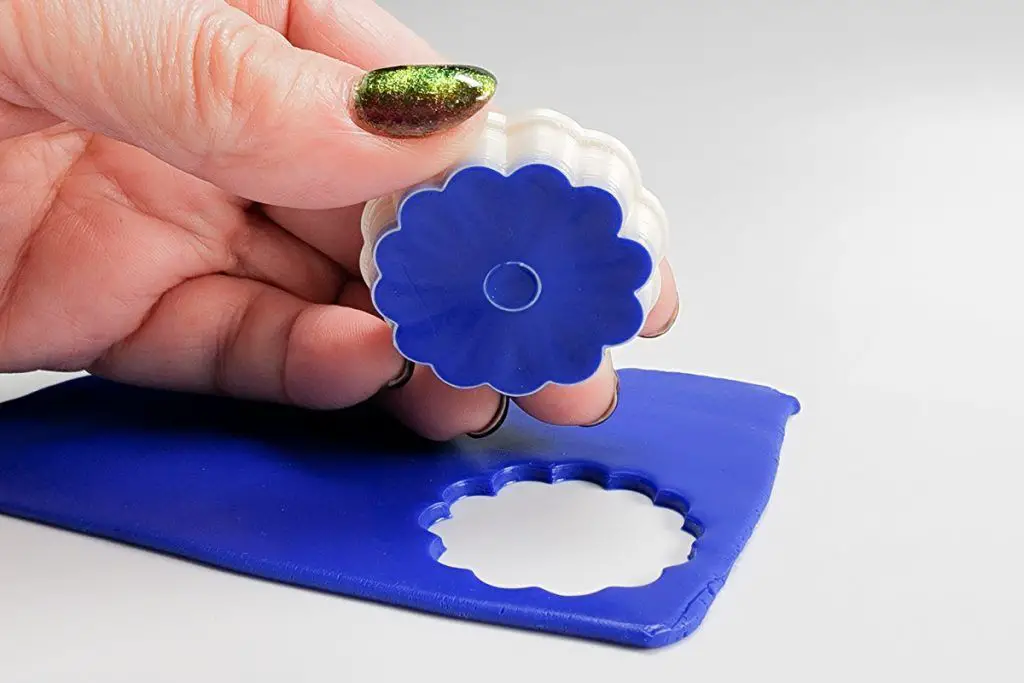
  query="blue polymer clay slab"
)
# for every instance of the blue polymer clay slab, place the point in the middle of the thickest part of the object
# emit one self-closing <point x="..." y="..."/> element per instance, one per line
<point x="340" y="501"/>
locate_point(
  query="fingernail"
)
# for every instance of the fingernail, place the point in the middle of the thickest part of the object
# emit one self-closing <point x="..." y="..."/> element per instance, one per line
<point x="611" y="408"/>
<point x="667" y="326"/>
<point x="403" y="377"/>
<point x="496" y="422"/>
<point x="415" y="101"/>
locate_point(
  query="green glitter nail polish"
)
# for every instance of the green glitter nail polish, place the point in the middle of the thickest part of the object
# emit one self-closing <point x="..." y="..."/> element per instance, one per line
<point x="415" y="101"/>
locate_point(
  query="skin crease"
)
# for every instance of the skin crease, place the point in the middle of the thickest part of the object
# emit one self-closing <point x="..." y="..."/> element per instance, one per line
<point x="135" y="142"/>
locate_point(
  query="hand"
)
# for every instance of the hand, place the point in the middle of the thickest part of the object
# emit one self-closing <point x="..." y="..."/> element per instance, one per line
<point x="170" y="177"/>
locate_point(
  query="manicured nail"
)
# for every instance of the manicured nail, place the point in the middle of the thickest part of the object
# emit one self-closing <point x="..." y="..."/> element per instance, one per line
<point x="496" y="422"/>
<point x="611" y="408"/>
<point x="667" y="326"/>
<point x="402" y="378"/>
<point x="415" y="101"/>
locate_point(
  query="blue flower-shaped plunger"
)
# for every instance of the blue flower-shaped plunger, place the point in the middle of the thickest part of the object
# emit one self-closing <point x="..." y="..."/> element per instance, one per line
<point x="513" y="281"/>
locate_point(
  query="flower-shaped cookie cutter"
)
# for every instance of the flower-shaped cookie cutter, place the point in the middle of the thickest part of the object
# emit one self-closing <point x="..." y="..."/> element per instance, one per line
<point x="521" y="265"/>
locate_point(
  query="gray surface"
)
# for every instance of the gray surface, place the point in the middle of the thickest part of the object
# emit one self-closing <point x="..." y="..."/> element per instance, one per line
<point x="844" y="181"/>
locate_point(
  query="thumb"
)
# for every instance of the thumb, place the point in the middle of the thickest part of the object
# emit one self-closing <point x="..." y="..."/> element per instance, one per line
<point x="208" y="89"/>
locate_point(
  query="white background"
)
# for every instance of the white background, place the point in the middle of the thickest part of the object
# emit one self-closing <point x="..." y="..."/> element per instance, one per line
<point x="846" y="185"/>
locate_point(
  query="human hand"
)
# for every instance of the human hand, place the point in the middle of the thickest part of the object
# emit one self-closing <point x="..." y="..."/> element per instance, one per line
<point x="171" y="174"/>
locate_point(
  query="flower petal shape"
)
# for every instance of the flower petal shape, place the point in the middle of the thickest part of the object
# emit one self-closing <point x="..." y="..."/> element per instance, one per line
<point x="520" y="266"/>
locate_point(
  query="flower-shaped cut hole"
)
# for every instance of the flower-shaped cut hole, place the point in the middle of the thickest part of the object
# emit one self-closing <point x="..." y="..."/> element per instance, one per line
<point x="569" y="538"/>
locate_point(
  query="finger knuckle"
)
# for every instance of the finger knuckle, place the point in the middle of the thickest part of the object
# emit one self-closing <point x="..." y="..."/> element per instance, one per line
<point x="236" y="86"/>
